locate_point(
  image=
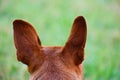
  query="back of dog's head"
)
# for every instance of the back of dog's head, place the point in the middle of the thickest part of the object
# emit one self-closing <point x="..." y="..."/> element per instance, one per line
<point x="51" y="63"/>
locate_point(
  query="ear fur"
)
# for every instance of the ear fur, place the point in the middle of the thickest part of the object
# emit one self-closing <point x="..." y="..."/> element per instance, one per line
<point x="26" y="40"/>
<point x="76" y="41"/>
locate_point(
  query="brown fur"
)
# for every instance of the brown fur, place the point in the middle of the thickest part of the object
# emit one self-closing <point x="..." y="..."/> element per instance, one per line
<point x="51" y="63"/>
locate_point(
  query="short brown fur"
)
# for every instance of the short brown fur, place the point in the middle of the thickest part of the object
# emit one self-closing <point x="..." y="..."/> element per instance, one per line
<point x="51" y="63"/>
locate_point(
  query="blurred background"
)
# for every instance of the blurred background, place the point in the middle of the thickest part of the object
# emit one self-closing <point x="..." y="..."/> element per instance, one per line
<point x="53" y="20"/>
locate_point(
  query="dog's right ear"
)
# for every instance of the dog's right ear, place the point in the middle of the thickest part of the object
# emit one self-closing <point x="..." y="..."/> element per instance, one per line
<point x="26" y="41"/>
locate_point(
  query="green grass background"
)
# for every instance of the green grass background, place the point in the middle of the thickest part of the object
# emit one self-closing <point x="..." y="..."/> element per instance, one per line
<point x="53" y="20"/>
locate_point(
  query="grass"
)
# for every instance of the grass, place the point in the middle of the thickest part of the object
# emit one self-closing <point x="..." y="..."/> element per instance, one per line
<point x="53" y="20"/>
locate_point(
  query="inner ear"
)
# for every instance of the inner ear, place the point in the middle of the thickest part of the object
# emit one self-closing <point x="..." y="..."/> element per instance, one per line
<point x="24" y="30"/>
<point x="78" y="33"/>
<point x="75" y="44"/>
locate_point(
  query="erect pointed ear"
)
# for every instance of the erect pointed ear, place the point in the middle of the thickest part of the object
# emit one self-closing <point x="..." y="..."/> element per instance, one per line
<point x="26" y="40"/>
<point x="75" y="44"/>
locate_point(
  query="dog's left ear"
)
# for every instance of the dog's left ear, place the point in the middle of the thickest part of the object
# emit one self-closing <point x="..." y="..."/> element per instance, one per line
<point x="74" y="47"/>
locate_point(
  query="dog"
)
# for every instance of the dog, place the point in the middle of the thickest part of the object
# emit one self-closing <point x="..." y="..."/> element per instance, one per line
<point x="51" y="62"/>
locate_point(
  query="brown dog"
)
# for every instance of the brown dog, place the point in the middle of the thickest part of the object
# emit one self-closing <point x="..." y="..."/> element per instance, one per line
<point x="51" y="63"/>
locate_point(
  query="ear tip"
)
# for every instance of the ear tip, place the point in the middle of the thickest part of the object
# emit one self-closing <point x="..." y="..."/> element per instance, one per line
<point x="80" y="18"/>
<point x="20" y="23"/>
<point x="17" y="21"/>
